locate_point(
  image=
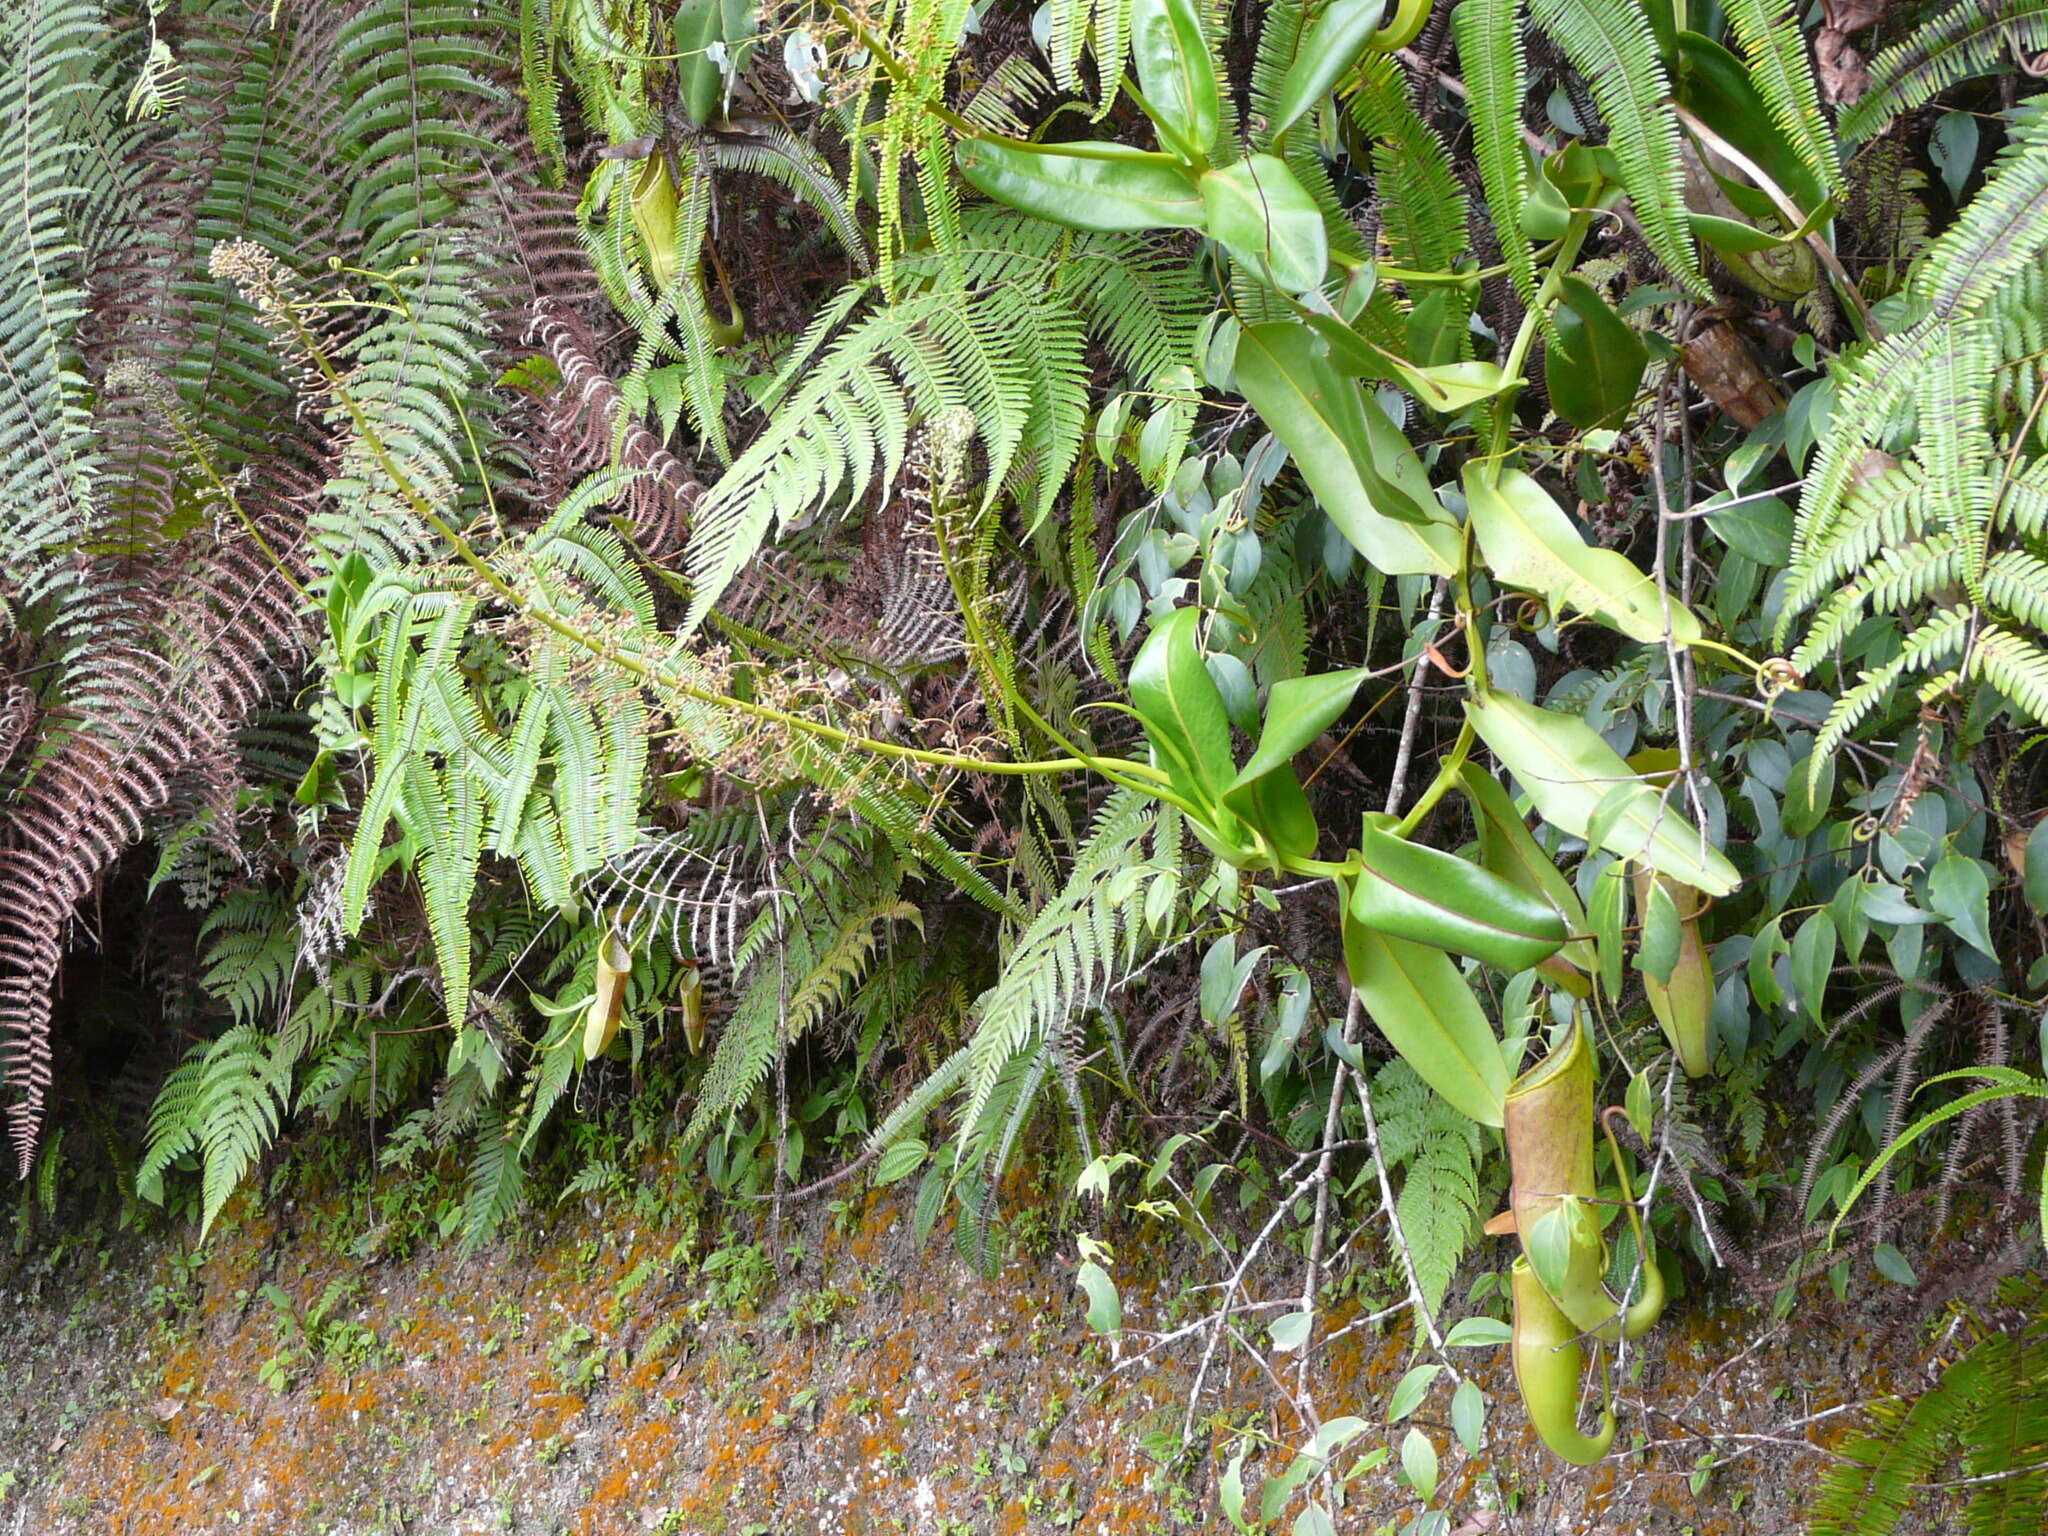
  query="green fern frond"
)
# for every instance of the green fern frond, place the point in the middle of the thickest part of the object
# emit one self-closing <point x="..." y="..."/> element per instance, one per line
<point x="539" y="40"/>
<point x="1616" y="54"/>
<point x="803" y="956"/>
<point x="1421" y="202"/>
<point x="2016" y="666"/>
<point x="415" y="74"/>
<point x="1066" y="958"/>
<point x="1869" y="1493"/>
<point x="1935" y="641"/>
<point x="1490" y="51"/>
<point x="495" y="1186"/>
<point x="1971" y="38"/>
<point x="251" y="946"/>
<point x="49" y="96"/>
<point x="2002" y="231"/>
<point x="1783" y="73"/>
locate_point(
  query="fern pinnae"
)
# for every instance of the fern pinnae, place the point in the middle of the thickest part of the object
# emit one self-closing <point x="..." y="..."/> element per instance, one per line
<point x="1779" y="66"/>
<point x="1065" y="958"/>
<point x="1961" y="41"/>
<point x="1616" y="53"/>
<point x="2002" y="231"/>
<point x="1491" y="54"/>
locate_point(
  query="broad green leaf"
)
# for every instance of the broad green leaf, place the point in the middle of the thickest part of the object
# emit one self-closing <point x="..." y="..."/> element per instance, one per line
<point x="1529" y="542"/>
<point x="1567" y="771"/>
<point x="1510" y="850"/>
<point x="1230" y="1492"/>
<point x="1110" y="188"/>
<point x="1105" y="1307"/>
<point x="1298" y="710"/>
<point x="1182" y="709"/>
<point x="1892" y="1265"/>
<point x="1224" y="976"/>
<point x="1807" y="794"/>
<point x="1763" y="965"/>
<point x="1258" y="212"/>
<point x="1637" y="1104"/>
<point x="1813" y="957"/>
<point x="1607" y="911"/>
<point x="1478" y="1333"/>
<point x="1759" y="527"/>
<point x="901" y="1160"/>
<point x="1363" y="473"/>
<point x="1436" y="898"/>
<point x="1657" y="950"/>
<point x="1295" y="1000"/>
<point x="1341" y="31"/>
<point x="1276" y="805"/>
<point x="1419" y="1462"/>
<point x="1716" y="87"/>
<point x="1290" y="1331"/>
<point x="1959" y="889"/>
<point x="1468" y="1416"/>
<point x="1176" y="73"/>
<point x="1594" y="365"/>
<point x="1427" y="1012"/>
<point x="1410" y="1390"/>
<point x="698" y="25"/>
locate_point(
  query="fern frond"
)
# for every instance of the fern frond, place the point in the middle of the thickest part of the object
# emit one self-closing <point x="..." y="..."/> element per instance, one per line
<point x="1941" y="637"/>
<point x="1490" y="52"/>
<point x="1066" y="958"/>
<point x="496" y="1183"/>
<point x="1421" y="202"/>
<point x="1616" y="54"/>
<point x="2003" y="230"/>
<point x="802" y="958"/>
<point x="1783" y="73"/>
<point x="1869" y="1493"/>
<point x="2016" y="666"/>
<point x="1971" y="38"/>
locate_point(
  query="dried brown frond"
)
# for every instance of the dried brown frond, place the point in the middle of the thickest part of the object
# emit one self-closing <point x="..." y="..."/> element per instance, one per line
<point x="585" y="424"/>
<point x="194" y="655"/>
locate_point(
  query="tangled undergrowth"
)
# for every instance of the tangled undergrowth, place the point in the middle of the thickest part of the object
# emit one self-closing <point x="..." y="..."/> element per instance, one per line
<point x="1344" y="628"/>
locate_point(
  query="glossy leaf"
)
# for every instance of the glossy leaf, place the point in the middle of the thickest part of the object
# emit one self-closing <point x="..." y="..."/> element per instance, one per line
<point x="1510" y="850"/>
<point x="1298" y="710"/>
<point x="1176" y="73"/>
<point x="1363" y="473"/>
<point x="1436" y="898"/>
<point x="1417" y="999"/>
<point x="1182" y="709"/>
<point x="1594" y="365"/>
<point x="1716" y="87"/>
<point x="1529" y="542"/>
<point x="1960" y="891"/>
<point x="1657" y="949"/>
<point x="1109" y="188"/>
<point x="1477" y="1333"/>
<point x="1419" y="1463"/>
<point x="1567" y="771"/>
<point x="1341" y="31"/>
<point x="1265" y="792"/>
<point x="1468" y="1416"/>
<point x="1258" y="212"/>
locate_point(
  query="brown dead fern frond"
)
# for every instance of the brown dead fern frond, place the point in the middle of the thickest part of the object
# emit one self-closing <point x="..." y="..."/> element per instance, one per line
<point x="590" y="428"/>
<point x="169" y="687"/>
